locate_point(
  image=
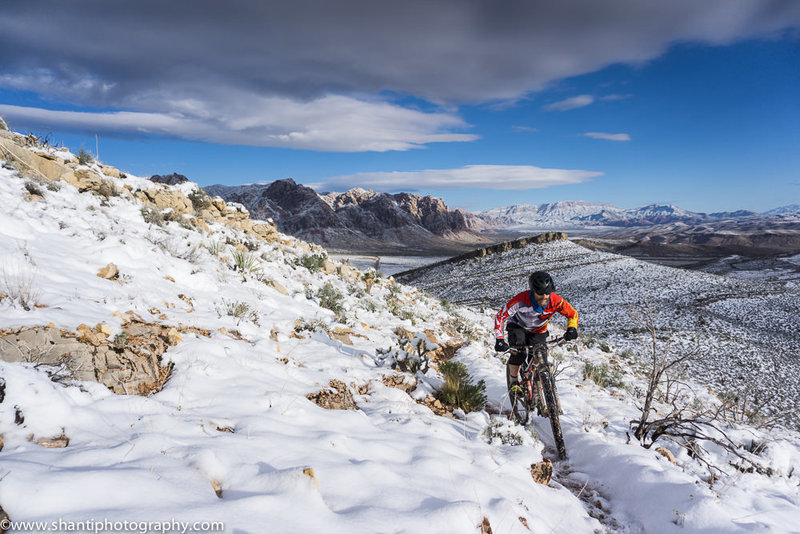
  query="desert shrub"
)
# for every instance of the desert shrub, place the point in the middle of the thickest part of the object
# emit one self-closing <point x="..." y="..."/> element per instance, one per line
<point x="605" y="347"/>
<point x="331" y="298"/>
<point x="241" y="311"/>
<point x="603" y="375"/>
<point x="313" y="262"/>
<point x="152" y="216"/>
<point x="368" y="304"/>
<point x="370" y="277"/>
<point x="310" y="325"/>
<point x="501" y="430"/>
<point x="107" y="189"/>
<point x="19" y="284"/>
<point x="84" y="157"/>
<point x="463" y="326"/>
<point x="39" y="141"/>
<point x="34" y="189"/>
<point x="458" y="389"/>
<point x="410" y="355"/>
<point x="200" y="199"/>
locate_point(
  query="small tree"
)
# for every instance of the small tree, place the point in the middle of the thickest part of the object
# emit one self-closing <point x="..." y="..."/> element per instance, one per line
<point x="683" y="419"/>
<point x="84" y="157"/>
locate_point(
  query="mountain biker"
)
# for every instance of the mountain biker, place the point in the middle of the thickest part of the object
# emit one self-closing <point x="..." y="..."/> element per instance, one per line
<point x="526" y="317"/>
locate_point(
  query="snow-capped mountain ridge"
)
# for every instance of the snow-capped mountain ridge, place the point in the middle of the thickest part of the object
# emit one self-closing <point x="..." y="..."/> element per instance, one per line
<point x="575" y="214"/>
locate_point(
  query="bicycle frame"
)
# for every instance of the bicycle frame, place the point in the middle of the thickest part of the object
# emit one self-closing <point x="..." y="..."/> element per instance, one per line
<point x="536" y="379"/>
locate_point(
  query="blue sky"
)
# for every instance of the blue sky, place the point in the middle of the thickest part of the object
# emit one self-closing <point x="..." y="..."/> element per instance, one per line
<point x="694" y="105"/>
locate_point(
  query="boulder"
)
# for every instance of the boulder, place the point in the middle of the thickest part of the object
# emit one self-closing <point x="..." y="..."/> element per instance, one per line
<point x="542" y="472"/>
<point x="3" y="125"/>
<point x="276" y="286"/>
<point x="109" y="272"/>
<point x="338" y="397"/>
<point x="29" y="164"/>
<point x="110" y="171"/>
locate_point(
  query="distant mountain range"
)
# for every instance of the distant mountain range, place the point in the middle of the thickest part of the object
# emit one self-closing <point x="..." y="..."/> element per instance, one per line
<point x="358" y="219"/>
<point x="576" y="214"/>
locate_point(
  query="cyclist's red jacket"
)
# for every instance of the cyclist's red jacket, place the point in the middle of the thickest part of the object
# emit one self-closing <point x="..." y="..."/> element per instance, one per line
<point x="524" y="312"/>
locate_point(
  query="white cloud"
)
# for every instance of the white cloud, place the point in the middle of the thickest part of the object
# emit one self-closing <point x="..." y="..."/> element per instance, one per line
<point x="331" y="123"/>
<point x="498" y="177"/>
<point x="518" y="128"/>
<point x="608" y="136"/>
<point x="571" y="103"/>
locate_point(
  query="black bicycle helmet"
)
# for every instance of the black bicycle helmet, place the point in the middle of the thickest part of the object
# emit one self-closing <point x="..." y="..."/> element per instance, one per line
<point x="540" y="282"/>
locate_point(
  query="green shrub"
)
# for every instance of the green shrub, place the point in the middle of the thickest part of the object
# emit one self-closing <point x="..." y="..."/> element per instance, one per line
<point x="603" y="375"/>
<point x="313" y="262"/>
<point x="458" y="389"/>
<point x="330" y="298"/>
<point x="84" y="157"/>
<point x="200" y="199"/>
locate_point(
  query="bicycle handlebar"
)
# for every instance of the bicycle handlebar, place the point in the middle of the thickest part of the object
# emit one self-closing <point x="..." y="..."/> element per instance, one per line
<point x="549" y="342"/>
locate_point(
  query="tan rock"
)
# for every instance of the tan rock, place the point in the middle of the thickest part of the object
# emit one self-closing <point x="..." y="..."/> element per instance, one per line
<point x="309" y="472"/>
<point x="542" y="472"/>
<point x="174" y="337"/>
<point x="666" y="453"/>
<point x="217" y="487"/>
<point x="329" y="267"/>
<point x="110" y="171"/>
<point x="341" y="333"/>
<point x="29" y="164"/>
<point x="58" y="442"/>
<point x="276" y="286"/>
<point x="83" y="179"/>
<point x="103" y="329"/>
<point x="109" y="272"/>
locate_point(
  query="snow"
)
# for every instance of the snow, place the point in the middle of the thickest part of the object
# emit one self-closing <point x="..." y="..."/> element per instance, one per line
<point x="390" y="466"/>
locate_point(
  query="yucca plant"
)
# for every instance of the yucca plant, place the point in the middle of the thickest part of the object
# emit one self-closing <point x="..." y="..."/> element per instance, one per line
<point x="245" y="262"/>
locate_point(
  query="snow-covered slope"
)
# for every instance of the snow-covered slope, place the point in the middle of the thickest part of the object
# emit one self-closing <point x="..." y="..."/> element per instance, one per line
<point x="232" y="437"/>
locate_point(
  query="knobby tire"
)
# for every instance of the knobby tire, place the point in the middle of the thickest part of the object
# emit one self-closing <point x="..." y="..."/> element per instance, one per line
<point x="550" y="399"/>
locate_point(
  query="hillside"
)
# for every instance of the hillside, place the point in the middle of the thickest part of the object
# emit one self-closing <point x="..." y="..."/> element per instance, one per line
<point x="359" y="220"/>
<point x="744" y="332"/>
<point x="168" y="362"/>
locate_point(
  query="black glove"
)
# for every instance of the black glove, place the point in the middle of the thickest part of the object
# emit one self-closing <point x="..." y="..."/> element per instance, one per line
<point x="500" y="345"/>
<point x="571" y="333"/>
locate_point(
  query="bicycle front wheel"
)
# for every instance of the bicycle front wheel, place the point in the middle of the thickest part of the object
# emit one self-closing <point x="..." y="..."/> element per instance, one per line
<point x="551" y="400"/>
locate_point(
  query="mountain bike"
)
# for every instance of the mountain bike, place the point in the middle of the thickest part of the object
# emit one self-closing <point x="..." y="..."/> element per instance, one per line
<point x="538" y="391"/>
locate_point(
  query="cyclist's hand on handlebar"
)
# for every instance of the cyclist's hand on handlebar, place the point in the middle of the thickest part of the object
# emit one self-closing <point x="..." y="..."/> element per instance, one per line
<point x="571" y="333"/>
<point x="500" y="345"/>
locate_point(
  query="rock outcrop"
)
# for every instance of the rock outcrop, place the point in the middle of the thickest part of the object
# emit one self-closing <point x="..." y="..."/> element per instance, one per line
<point x="358" y="219"/>
<point x="45" y="165"/>
<point x="169" y="179"/>
<point x="130" y="363"/>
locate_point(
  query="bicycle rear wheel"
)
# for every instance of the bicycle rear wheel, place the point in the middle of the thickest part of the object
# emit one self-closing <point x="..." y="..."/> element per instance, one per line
<point x="550" y="399"/>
